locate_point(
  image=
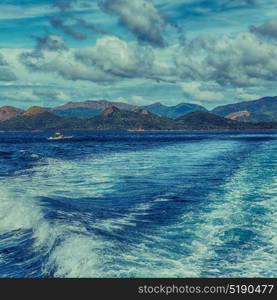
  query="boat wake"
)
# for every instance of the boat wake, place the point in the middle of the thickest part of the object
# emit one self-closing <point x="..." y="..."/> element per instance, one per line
<point x="204" y="215"/>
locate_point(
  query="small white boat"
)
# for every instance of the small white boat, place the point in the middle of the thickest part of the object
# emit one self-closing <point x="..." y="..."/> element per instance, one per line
<point x="59" y="136"/>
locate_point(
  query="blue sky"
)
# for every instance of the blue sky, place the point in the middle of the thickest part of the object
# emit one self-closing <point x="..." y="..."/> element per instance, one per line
<point x="138" y="51"/>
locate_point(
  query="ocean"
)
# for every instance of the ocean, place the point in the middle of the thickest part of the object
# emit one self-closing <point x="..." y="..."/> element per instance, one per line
<point x="139" y="204"/>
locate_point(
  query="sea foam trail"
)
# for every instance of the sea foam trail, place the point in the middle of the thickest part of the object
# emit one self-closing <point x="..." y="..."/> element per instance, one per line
<point x="101" y="216"/>
<point x="114" y="258"/>
<point x="234" y="234"/>
<point x="231" y="234"/>
<point x="27" y="202"/>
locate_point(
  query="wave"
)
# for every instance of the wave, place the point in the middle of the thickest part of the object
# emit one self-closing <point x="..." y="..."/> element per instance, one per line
<point x="113" y="216"/>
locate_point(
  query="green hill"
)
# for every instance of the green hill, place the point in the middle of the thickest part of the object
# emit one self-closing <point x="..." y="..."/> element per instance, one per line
<point x="264" y="109"/>
<point x="42" y="122"/>
<point x="114" y="119"/>
<point x="208" y="121"/>
<point x="88" y="109"/>
<point x="78" y="112"/>
<point x="174" y="111"/>
<point x="140" y="119"/>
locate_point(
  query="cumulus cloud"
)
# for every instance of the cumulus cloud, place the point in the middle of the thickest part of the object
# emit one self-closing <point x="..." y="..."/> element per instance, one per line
<point x="140" y="17"/>
<point x="63" y="64"/>
<point x="268" y="29"/>
<point x="201" y="91"/>
<point x="6" y="74"/>
<point x="50" y="95"/>
<point x="19" y="95"/>
<point x="67" y="29"/>
<point x="3" y="62"/>
<point x="241" y="61"/>
<point x="118" y="58"/>
<point x="110" y="60"/>
<point x="202" y="66"/>
<point x="35" y="95"/>
<point x="51" y="43"/>
<point x="76" y="27"/>
<point x="49" y="50"/>
<point x="243" y="94"/>
<point x="135" y="100"/>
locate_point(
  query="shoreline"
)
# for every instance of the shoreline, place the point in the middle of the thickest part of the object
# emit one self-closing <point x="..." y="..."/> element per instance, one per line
<point x="150" y="130"/>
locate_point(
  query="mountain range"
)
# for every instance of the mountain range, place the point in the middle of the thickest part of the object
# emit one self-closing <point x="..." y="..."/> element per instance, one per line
<point x="174" y="112"/>
<point x="261" y="110"/>
<point x="8" y="112"/>
<point x="108" y="115"/>
<point x="114" y="119"/>
<point x="89" y="108"/>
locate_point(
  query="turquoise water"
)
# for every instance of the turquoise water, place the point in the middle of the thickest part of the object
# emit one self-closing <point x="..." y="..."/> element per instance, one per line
<point x="145" y="204"/>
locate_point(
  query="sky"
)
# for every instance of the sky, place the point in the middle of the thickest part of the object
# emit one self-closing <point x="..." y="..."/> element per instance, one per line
<point x="208" y="52"/>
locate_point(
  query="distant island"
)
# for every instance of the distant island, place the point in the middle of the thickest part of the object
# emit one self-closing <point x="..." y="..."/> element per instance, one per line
<point x="108" y="115"/>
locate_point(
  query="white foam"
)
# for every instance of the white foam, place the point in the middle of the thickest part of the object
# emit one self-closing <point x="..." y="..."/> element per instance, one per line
<point x="79" y="253"/>
<point x="228" y="212"/>
<point x="78" y="256"/>
<point x="224" y="212"/>
<point x="17" y="212"/>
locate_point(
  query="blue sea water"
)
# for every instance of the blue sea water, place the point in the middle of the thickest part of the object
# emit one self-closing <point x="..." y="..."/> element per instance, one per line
<point x="139" y="204"/>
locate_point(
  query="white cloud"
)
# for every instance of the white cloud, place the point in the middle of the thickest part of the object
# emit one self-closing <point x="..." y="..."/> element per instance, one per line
<point x="241" y="61"/>
<point x="62" y="63"/>
<point x="206" y="68"/>
<point x="201" y="91"/>
<point x="109" y="60"/>
<point x="242" y="94"/>
<point x="268" y="29"/>
<point x="23" y="94"/>
<point x="2" y="60"/>
<point x="135" y="100"/>
<point x="118" y="58"/>
<point x="51" y="42"/>
<point x="140" y="17"/>
<point x="6" y="74"/>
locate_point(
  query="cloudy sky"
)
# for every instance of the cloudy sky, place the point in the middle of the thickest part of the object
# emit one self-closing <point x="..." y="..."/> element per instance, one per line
<point x="209" y="52"/>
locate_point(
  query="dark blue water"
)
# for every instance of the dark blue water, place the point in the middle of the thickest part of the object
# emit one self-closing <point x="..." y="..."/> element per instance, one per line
<point x="139" y="204"/>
